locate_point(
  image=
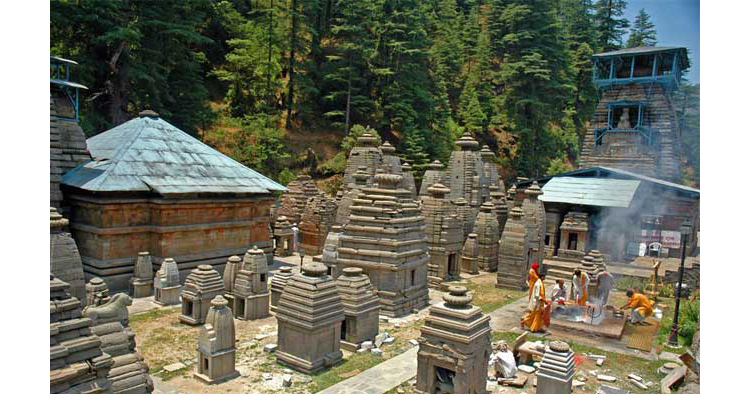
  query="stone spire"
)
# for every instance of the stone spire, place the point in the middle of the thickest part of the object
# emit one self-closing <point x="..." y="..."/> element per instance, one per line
<point x="216" y="350"/>
<point x="391" y="163"/>
<point x="498" y="199"/>
<point x="277" y="284"/>
<point x="319" y="216"/>
<point x="490" y="175"/>
<point x="232" y="267"/>
<point x="200" y="287"/>
<point x="534" y="218"/>
<point x="556" y="369"/>
<point x="408" y="181"/>
<point x="435" y="173"/>
<point x="310" y="314"/>
<point x="65" y="260"/>
<point x="167" y="283"/>
<point x="466" y="214"/>
<point x="445" y="236"/>
<point x="141" y="282"/>
<point x="469" y="255"/>
<point x="486" y="228"/>
<point x="361" y="306"/>
<point x="454" y="346"/>
<point x="465" y="171"/>
<point x="513" y="252"/>
<point x="385" y="236"/>
<point x="365" y="154"/>
<point x="294" y="202"/>
<point x="344" y="205"/>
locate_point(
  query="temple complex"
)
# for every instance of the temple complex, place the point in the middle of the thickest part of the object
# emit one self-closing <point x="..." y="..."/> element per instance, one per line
<point x="129" y="374"/>
<point x="634" y="127"/>
<point x="216" y="349"/>
<point x="277" y="284"/>
<point x="435" y="173"/>
<point x="167" y="284"/>
<point x="444" y="236"/>
<point x="344" y="204"/>
<point x="469" y="255"/>
<point x="361" y="307"/>
<point x="293" y="203"/>
<point x="65" y="261"/>
<point x="534" y="218"/>
<point x="283" y="237"/>
<point x="454" y="347"/>
<point x="141" y="282"/>
<point x="488" y="235"/>
<point x="77" y="364"/>
<point x="318" y="217"/>
<point x="385" y="236"/>
<point x="151" y="187"/>
<point x="513" y="253"/>
<point x="251" y="297"/>
<point x="200" y="287"/>
<point x="310" y="314"/>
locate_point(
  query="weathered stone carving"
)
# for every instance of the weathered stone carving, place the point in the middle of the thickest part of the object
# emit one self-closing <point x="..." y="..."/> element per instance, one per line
<point x="556" y="369"/>
<point x="486" y="228"/>
<point x="385" y="237"/>
<point x="454" y="347"/>
<point x="200" y="287"/>
<point x="141" y="283"/>
<point x="97" y="292"/>
<point x="444" y="236"/>
<point x="65" y="261"/>
<point x="167" y="283"/>
<point x="216" y="350"/>
<point x="251" y="298"/>
<point x="310" y="314"/>
<point x="469" y="255"/>
<point x="534" y="218"/>
<point x="361" y="307"/>
<point x="513" y="259"/>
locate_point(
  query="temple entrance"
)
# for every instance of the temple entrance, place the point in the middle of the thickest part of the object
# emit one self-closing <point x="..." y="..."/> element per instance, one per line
<point x="453" y="264"/>
<point x="444" y="381"/>
<point x="188" y="309"/>
<point x="343" y="329"/>
<point x="573" y="239"/>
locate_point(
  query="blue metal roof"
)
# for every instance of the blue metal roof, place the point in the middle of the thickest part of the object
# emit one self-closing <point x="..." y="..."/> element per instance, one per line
<point x="601" y="192"/>
<point x="149" y="154"/>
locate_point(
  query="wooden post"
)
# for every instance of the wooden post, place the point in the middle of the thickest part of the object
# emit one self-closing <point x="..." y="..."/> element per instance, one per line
<point x="631" y="70"/>
<point x="655" y="63"/>
<point x="610" y="74"/>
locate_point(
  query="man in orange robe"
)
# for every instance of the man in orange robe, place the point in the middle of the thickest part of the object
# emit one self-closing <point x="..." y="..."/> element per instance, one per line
<point x="640" y="305"/>
<point x="539" y="315"/>
<point x="579" y="283"/>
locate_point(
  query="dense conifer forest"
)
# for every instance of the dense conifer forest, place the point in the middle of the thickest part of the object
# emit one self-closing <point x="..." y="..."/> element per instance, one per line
<point x="278" y="84"/>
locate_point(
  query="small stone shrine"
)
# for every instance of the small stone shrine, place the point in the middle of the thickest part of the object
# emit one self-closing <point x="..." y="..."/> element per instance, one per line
<point x="97" y="292"/>
<point x="65" y="261"/>
<point x="552" y="221"/>
<point x="283" y="236"/>
<point x="444" y="237"/>
<point x="486" y="228"/>
<point x="465" y="171"/>
<point x="385" y="236"/>
<point x="361" y="307"/>
<point x="513" y="262"/>
<point x="167" y="284"/>
<point x="469" y="255"/>
<point x="216" y="350"/>
<point x="466" y="214"/>
<point x="200" y="287"/>
<point x="277" y="284"/>
<point x="317" y="219"/>
<point x="534" y="218"/>
<point x="498" y="199"/>
<point x="556" y="370"/>
<point x="490" y="175"/>
<point x="310" y="314"/>
<point x="77" y="364"/>
<point x="251" y="298"/>
<point x="141" y="283"/>
<point x="129" y="373"/>
<point x="344" y="204"/>
<point x="435" y="173"/>
<point x="454" y="347"/>
<point x="511" y="198"/>
<point x="391" y="162"/>
<point x="330" y="251"/>
<point x="408" y="182"/>
<point x="365" y="154"/>
<point x="232" y="268"/>
<point x="574" y="236"/>
<point x="293" y="202"/>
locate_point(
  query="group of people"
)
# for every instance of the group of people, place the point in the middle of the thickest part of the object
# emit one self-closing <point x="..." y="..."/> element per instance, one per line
<point x="538" y="308"/>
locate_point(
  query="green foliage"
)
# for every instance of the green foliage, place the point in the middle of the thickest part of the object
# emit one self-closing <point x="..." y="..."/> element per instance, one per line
<point x="629" y="283"/>
<point x="333" y="185"/>
<point x="642" y="31"/>
<point x="259" y="145"/>
<point x="611" y="24"/>
<point x="689" y="320"/>
<point x="356" y="131"/>
<point x="286" y="176"/>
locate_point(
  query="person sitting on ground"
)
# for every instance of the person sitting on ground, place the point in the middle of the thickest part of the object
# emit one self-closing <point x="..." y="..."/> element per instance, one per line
<point x="641" y="307"/>
<point x="558" y="293"/>
<point x="579" y="283"/>
<point x="539" y="315"/>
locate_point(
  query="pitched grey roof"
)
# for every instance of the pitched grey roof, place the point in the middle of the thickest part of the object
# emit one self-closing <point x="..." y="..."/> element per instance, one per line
<point x="150" y="154"/>
<point x="602" y="192"/>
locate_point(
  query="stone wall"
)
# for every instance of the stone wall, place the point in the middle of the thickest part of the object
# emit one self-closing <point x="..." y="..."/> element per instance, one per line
<point x="68" y="148"/>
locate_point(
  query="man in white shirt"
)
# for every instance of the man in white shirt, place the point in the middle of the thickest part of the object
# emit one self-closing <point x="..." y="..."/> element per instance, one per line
<point x="558" y="292"/>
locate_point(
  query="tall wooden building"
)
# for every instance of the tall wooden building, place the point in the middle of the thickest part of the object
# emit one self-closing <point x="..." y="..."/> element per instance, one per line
<point x="151" y="187"/>
<point x="634" y="127"/>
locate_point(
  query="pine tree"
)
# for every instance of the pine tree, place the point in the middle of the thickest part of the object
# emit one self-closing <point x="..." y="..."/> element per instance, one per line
<point x="611" y="25"/>
<point x="643" y="31"/>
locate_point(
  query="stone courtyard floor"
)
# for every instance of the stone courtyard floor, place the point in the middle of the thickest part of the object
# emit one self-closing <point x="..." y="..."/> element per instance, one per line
<point x="169" y="348"/>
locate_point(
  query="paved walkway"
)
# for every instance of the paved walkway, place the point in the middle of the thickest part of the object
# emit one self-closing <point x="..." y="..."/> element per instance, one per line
<point x="380" y="378"/>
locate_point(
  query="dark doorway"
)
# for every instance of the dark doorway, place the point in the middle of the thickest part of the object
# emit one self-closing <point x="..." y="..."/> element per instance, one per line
<point x="573" y="241"/>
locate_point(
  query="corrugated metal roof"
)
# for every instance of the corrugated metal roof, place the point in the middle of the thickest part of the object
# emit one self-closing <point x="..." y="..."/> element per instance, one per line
<point x="601" y="192"/>
<point x="636" y="51"/>
<point x="68" y="83"/>
<point x="150" y="154"/>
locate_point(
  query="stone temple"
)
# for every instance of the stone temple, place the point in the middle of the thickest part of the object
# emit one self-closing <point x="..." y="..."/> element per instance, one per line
<point x="465" y="171"/>
<point x="435" y="173"/>
<point x="293" y="203"/>
<point x="486" y="228"/>
<point x="318" y="217"/>
<point x="365" y="154"/>
<point x="534" y="218"/>
<point x="445" y="236"/>
<point x="385" y="236"/>
<point x="310" y="314"/>
<point x="344" y="204"/>
<point x="513" y="253"/>
<point x="454" y="347"/>
<point x="216" y="350"/>
<point x="65" y="261"/>
<point x="151" y="187"/>
<point x="200" y="287"/>
<point x="361" y="307"/>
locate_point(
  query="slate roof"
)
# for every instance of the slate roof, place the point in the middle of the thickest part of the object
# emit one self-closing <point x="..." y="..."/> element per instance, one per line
<point x="148" y="154"/>
<point x="601" y="192"/>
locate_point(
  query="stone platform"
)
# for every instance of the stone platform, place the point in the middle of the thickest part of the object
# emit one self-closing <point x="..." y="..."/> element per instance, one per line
<point x="609" y="326"/>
